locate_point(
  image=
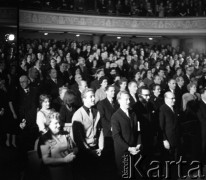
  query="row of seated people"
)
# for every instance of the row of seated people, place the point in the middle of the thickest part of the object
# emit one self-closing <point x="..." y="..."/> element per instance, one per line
<point x="145" y="8"/>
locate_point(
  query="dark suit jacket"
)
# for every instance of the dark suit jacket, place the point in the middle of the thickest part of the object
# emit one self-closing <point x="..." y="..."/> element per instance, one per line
<point x="178" y="97"/>
<point x="132" y="101"/>
<point x="106" y="111"/>
<point x="27" y="104"/>
<point x="169" y="125"/>
<point x="157" y="102"/>
<point x="75" y="86"/>
<point x="57" y="103"/>
<point x="66" y="115"/>
<point x="186" y="80"/>
<point x="147" y="123"/>
<point x="52" y="88"/>
<point x="95" y="85"/>
<point x="201" y="113"/>
<point x="78" y="101"/>
<point x="125" y="134"/>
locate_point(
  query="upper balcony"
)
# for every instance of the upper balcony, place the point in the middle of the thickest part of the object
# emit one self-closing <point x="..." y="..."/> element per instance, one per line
<point x="65" y="22"/>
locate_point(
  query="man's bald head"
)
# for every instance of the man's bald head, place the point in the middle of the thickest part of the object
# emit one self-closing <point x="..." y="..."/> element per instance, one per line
<point x="169" y="98"/>
<point x="82" y="85"/>
<point x="168" y="94"/>
<point x="24" y="81"/>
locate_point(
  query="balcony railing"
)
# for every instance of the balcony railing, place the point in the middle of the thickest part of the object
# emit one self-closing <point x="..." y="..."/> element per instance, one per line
<point x="116" y="25"/>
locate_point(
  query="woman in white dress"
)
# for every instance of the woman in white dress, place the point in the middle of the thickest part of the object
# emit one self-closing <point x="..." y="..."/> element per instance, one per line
<point x="43" y="114"/>
<point x="100" y="93"/>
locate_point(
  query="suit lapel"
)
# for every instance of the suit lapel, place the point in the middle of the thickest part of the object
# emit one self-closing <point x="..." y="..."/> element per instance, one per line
<point x="173" y="113"/>
<point x="123" y="114"/>
<point x="109" y="106"/>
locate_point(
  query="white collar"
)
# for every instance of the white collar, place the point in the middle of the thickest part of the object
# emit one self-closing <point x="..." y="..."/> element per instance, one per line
<point x="170" y="107"/>
<point x="125" y="111"/>
<point x="110" y="100"/>
<point x="203" y="100"/>
<point x="134" y="97"/>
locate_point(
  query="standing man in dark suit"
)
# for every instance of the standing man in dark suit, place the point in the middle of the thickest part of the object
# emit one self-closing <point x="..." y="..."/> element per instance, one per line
<point x="144" y="111"/>
<point x="27" y="113"/>
<point x="170" y="126"/>
<point x="179" y="91"/>
<point x="172" y="86"/>
<point x="132" y="86"/>
<point x="53" y="84"/>
<point x="125" y="130"/>
<point x="202" y="119"/>
<point x="107" y="107"/>
<point x="77" y="79"/>
<point x="82" y="85"/>
<point x="187" y="76"/>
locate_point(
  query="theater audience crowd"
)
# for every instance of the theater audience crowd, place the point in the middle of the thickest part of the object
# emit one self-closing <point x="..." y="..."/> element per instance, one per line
<point x="136" y="8"/>
<point x="61" y="96"/>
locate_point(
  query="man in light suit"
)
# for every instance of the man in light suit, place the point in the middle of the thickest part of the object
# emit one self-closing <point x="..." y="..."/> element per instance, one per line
<point x="132" y="86"/>
<point x="170" y="126"/>
<point x="125" y="131"/>
<point x="53" y="84"/>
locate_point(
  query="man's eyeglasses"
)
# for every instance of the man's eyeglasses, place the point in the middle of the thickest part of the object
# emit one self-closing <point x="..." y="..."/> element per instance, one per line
<point x="146" y="95"/>
<point x="173" y="98"/>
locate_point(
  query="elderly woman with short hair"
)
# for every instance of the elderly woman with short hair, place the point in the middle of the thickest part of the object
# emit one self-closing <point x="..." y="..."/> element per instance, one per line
<point x="192" y="95"/>
<point x="57" y="150"/>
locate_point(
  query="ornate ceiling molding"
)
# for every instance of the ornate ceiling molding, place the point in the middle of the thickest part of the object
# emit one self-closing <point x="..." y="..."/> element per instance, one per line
<point x="116" y="25"/>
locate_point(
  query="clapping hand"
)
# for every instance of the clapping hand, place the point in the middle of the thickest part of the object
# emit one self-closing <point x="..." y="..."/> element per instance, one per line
<point x="138" y="147"/>
<point x="98" y="152"/>
<point x="23" y="124"/>
<point x="2" y="112"/>
<point x="70" y="157"/>
<point x="166" y="144"/>
<point x="133" y="150"/>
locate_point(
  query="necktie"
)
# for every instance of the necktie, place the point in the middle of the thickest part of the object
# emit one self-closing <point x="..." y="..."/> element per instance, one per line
<point x="127" y="113"/>
<point x="112" y="104"/>
<point x="90" y="114"/>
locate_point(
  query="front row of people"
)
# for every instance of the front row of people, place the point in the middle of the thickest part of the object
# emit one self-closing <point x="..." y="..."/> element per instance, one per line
<point x="100" y="137"/>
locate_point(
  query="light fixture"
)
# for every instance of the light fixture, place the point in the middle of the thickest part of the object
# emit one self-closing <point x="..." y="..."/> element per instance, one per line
<point x="46" y="33"/>
<point x="9" y="37"/>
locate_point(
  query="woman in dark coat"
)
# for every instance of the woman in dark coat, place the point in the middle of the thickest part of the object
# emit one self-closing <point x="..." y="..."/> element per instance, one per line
<point x="8" y="116"/>
<point x="67" y="109"/>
